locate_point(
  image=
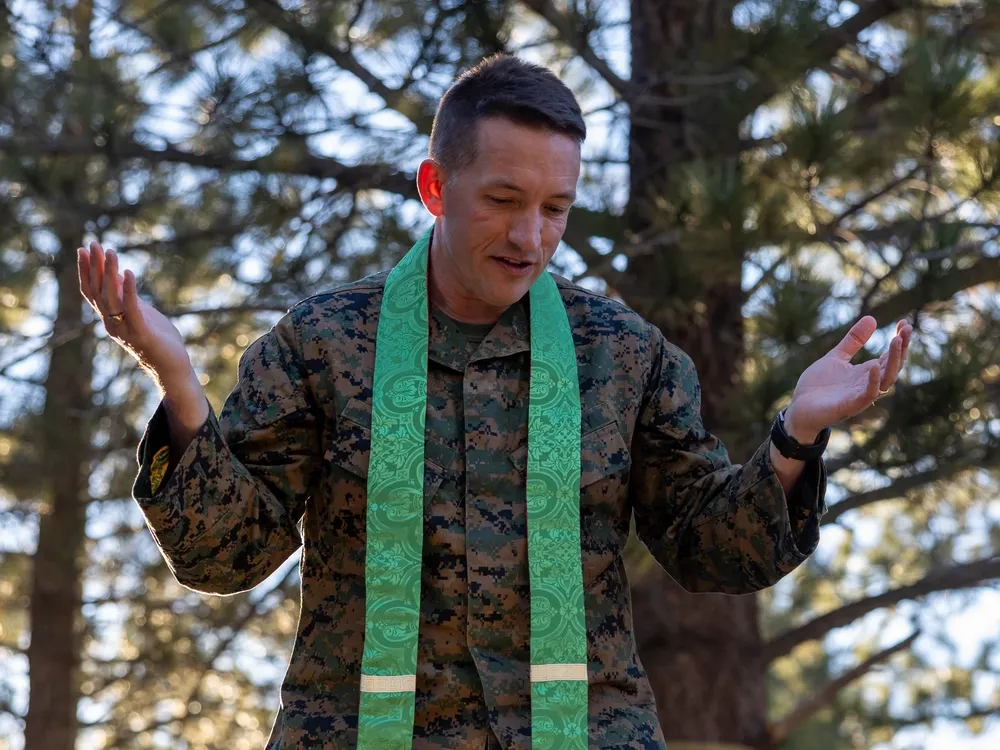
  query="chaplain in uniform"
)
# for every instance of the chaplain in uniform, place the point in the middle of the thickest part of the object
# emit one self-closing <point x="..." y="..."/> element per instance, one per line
<point x="459" y="446"/>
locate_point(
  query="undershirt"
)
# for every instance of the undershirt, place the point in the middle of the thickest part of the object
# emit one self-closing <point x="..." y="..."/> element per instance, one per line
<point x="475" y="333"/>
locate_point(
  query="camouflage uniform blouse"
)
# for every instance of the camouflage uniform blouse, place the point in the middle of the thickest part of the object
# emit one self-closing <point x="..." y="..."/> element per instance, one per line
<point x="285" y="465"/>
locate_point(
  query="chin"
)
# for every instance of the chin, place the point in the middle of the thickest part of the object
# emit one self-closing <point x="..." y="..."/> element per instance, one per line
<point x="508" y="294"/>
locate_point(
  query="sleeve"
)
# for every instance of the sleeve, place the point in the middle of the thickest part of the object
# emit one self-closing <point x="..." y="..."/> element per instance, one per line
<point x="225" y="513"/>
<point x="713" y="526"/>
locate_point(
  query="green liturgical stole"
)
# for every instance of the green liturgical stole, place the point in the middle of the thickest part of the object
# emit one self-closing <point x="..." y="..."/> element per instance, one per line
<point x="395" y="520"/>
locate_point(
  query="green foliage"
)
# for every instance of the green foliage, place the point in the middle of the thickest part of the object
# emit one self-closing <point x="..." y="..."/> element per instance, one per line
<point x="230" y="151"/>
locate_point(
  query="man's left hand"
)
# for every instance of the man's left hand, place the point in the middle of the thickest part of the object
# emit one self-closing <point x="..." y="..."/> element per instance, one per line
<point x="832" y="389"/>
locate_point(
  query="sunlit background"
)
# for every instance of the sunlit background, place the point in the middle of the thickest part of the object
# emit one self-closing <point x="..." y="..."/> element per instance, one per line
<point x="827" y="159"/>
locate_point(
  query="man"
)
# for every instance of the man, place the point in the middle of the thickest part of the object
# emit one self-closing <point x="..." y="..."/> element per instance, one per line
<point x="291" y="459"/>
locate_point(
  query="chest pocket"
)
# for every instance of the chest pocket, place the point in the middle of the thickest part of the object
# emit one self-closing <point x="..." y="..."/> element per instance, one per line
<point x="349" y="448"/>
<point x="603" y="451"/>
<point x="339" y="528"/>
<point x="604" y="507"/>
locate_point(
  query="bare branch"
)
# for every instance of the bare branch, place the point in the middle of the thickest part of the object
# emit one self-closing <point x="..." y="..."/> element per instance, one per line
<point x="869" y="199"/>
<point x="51" y="342"/>
<point x="962" y="576"/>
<point x="572" y="32"/>
<point x="598" y="265"/>
<point x="778" y="731"/>
<point x="362" y="176"/>
<point x="984" y="712"/>
<point x="898" y="488"/>
<point x="933" y="288"/>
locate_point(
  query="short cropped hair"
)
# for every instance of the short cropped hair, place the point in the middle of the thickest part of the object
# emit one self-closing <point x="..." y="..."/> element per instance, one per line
<point x="500" y="86"/>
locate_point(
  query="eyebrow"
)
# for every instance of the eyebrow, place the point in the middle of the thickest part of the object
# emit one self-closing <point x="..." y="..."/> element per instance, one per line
<point x="505" y="185"/>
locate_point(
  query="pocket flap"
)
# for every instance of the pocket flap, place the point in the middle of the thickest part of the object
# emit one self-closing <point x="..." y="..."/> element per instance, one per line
<point x="351" y="444"/>
<point x="602" y="451"/>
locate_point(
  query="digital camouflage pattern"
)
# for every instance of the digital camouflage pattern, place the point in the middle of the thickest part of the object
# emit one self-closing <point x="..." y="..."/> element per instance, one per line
<point x="285" y="465"/>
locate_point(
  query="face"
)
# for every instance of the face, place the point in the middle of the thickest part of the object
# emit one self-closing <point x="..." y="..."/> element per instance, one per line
<point x="500" y="219"/>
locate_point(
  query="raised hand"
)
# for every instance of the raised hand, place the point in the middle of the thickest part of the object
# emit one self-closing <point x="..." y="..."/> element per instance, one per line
<point x="832" y="389"/>
<point x="144" y="332"/>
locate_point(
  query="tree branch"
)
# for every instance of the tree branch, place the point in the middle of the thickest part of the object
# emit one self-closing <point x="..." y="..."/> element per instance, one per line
<point x="898" y="488"/>
<point x="906" y="393"/>
<point x="984" y="712"/>
<point x="362" y="176"/>
<point x="829" y="231"/>
<point x="927" y="290"/>
<point x="573" y="34"/>
<point x="894" y="230"/>
<point x="581" y="226"/>
<point x="599" y="223"/>
<point x="962" y="576"/>
<point x="222" y="231"/>
<point x="402" y="101"/>
<point x="819" y="49"/>
<point x="778" y="731"/>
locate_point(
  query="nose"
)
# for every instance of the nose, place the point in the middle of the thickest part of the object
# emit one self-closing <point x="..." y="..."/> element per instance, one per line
<point x="525" y="232"/>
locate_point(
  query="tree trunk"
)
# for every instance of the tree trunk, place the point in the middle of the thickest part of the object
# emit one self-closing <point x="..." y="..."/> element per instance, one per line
<point x="698" y="649"/>
<point x="53" y="654"/>
<point x="56" y="586"/>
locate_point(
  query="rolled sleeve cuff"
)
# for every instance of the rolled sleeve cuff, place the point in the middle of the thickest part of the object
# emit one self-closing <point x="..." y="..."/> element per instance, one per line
<point x="163" y="502"/>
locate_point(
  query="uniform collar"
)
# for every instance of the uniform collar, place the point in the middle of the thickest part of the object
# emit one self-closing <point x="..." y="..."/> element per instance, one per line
<point x="447" y="344"/>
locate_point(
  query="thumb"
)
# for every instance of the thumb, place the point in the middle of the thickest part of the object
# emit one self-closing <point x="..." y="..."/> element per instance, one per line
<point x="856" y="338"/>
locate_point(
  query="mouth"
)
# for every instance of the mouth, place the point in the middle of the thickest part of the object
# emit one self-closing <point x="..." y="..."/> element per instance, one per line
<point x="514" y="265"/>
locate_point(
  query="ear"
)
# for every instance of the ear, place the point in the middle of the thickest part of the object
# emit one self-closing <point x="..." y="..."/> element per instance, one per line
<point x="430" y="185"/>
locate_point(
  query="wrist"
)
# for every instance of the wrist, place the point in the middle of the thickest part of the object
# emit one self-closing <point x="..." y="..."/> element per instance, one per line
<point x="185" y="403"/>
<point x="179" y="383"/>
<point x="806" y="444"/>
<point x="801" y="433"/>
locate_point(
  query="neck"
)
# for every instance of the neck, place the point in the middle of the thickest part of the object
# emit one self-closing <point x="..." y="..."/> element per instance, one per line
<point x="445" y="290"/>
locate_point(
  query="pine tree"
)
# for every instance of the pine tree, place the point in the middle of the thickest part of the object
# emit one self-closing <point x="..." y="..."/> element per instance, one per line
<point x="799" y="172"/>
<point x="103" y="645"/>
<point x="758" y="176"/>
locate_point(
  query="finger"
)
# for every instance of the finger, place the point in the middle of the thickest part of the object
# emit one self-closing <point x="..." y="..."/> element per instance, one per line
<point x="856" y="338"/>
<point x="870" y="392"/>
<point x="906" y="334"/>
<point x="130" y="301"/>
<point x="112" y="285"/>
<point x="83" y="270"/>
<point x="96" y="271"/>
<point x="894" y="362"/>
<point x="867" y="392"/>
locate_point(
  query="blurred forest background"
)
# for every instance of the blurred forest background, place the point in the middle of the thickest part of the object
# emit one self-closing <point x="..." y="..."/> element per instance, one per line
<point x="758" y="174"/>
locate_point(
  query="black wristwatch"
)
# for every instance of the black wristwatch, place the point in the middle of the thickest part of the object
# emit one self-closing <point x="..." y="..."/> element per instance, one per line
<point x="789" y="447"/>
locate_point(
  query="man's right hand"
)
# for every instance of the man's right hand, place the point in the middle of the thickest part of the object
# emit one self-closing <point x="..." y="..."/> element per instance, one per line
<point x="147" y="335"/>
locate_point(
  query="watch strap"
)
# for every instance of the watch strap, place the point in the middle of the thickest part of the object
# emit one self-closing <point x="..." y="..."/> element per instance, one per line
<point x="789" y="447"/>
